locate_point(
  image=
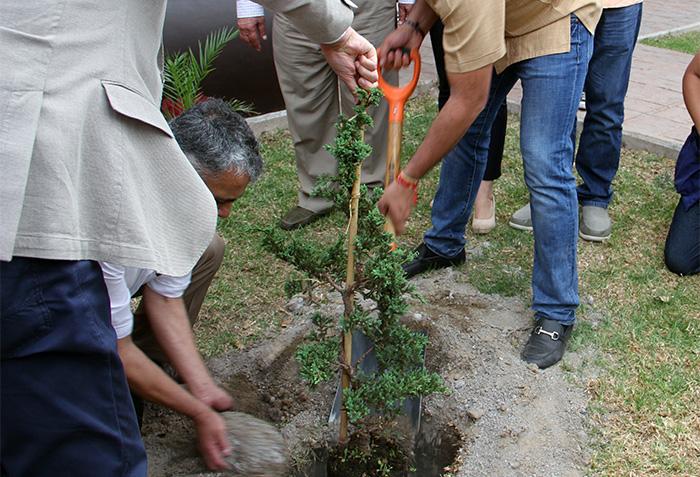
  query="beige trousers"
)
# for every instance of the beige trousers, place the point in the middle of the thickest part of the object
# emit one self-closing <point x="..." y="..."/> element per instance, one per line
<point x="202" y="275"/>
<point x="311" y="94"/>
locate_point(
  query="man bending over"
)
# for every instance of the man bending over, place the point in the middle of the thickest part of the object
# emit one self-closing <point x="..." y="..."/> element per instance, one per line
<point x="222" y="149"/>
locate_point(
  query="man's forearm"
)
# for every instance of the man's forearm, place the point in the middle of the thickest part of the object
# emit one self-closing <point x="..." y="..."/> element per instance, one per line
<point x="691" y="90"/>
<point x="151" y="383"/>
<point x="469" y="93"/>
<point x="171" y="327"/>
<point x="423" y="15"/>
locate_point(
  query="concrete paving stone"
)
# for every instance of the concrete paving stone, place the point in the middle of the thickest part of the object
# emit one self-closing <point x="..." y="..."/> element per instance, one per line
<point x="665" y="15"/>
<point x="646" y="125"/>
<point x="676" y="114"/>
<point x="641" y="106"/>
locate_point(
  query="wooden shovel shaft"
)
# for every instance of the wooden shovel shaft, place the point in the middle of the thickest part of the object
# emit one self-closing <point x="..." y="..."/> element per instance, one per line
<point x="393" y="152"/>
<point x="393" y="161"/>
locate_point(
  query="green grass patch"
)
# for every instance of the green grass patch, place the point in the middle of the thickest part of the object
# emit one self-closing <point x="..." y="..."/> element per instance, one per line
<point x="643" y="321"/>
<point x="688" y="42"/>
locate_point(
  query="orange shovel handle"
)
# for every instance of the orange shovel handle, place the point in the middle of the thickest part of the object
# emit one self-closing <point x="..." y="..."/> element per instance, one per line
<point x="397" y="96"/>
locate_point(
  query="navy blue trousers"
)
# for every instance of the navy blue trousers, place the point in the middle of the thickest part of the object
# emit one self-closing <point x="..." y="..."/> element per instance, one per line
<point x="65" y="408"/>
<point x="682" y="250"/>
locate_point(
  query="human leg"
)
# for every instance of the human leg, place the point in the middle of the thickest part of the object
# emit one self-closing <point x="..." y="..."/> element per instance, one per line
<point x="202" y="276"/>
<point x="552" y="87"/>
<point x="484" y="219"/>
<point x="460" y="175"/>
<point x="66" y="409"/>
<point x="598" y="156"/>
<point x="484" y="216"/>
<point x="310" y="90"/>
<point x="439" y="54"/>
<point x="497" y="144"/>
<point x="682" y="249"/>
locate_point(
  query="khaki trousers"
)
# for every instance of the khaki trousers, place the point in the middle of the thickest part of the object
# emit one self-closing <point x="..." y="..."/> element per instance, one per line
<point x="311" y="94"/>
<point x="202" y="275"/>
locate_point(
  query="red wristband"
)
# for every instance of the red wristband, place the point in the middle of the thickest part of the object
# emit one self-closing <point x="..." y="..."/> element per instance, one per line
<point x="408" y="183"/>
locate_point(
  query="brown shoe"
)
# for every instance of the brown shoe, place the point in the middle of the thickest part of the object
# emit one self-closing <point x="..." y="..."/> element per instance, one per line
<point x="298" y="217"/>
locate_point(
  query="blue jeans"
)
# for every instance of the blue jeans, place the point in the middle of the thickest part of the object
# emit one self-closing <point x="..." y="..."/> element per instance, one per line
<point x="598" y="155"/>
<point x="552" y="87"/>
<point x="66" y="409"/>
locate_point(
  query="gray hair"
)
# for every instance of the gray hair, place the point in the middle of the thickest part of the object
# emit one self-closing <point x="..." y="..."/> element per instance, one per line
<point x="215" y="139"/>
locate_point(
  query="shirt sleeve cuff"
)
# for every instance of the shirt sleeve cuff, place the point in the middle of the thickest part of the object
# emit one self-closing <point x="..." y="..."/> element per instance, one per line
<point x="122" y="322"/>
<point x="248" y="9"/>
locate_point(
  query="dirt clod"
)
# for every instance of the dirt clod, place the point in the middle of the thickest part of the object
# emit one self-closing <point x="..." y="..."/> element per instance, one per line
<point x="258" y="447"/>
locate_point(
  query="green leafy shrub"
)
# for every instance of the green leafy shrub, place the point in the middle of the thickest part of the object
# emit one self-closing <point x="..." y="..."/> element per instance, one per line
<point x="377" y="275"/>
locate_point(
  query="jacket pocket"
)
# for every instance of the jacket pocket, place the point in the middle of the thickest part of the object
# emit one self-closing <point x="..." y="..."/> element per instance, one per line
<point x="131" y="104"/>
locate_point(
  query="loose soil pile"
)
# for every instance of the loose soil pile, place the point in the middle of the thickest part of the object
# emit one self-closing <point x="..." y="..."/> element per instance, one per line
<point x="506" y="418"/>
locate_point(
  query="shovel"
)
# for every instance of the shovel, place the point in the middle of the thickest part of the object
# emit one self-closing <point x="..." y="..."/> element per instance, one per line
<point x="397" y="97"/>
<point x="362" y="347"/>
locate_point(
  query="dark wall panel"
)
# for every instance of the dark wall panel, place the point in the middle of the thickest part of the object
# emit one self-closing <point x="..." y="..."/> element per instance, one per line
<point x="241" y="72"/>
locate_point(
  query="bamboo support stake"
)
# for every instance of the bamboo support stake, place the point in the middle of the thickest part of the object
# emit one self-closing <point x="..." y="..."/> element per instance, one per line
<point x="349" y="298"/>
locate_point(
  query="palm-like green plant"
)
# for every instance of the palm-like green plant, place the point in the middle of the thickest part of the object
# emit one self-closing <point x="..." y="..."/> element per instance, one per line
<point x="185" y="71"/>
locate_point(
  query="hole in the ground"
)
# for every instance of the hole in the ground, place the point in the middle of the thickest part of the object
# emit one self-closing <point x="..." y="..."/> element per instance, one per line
<point x="247" y="399"/>
<point x="433" y="455"/>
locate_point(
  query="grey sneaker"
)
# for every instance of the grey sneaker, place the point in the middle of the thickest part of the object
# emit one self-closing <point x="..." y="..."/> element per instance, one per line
<point x="521" y="219"/>
<point x="595" y="224"/>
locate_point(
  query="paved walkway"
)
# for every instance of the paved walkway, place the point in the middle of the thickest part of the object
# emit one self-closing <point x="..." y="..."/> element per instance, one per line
<point x="655" y="115"/>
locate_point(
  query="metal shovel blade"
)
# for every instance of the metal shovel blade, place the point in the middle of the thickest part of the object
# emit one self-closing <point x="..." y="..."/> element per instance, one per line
<point x="360" y="345"/>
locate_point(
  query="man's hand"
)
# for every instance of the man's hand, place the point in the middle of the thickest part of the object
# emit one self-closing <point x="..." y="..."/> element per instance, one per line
<point x="213" y="439"/>
<point x="396" y="203"/>
<point x="353" y="59"/>
<point x="214" y="397"/>
<point x="393" y="54"/>
<point x="252" y="31"/>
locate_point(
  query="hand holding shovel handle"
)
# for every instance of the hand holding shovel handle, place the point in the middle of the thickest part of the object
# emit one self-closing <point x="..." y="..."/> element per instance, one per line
<point x="397" y="97"/>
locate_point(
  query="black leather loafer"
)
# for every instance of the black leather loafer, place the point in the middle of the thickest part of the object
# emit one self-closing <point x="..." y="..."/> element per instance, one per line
<point x="298" y="217"/>
<point x="547" y="343"/>
<point x="429" y="260"/>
